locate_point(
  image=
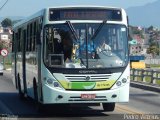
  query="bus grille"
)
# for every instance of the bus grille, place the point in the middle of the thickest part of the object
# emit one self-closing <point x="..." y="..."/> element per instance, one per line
<point x="99" y="77"/>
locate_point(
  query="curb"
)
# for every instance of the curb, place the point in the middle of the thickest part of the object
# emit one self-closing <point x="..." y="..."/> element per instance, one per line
<point x="145" y="86"/>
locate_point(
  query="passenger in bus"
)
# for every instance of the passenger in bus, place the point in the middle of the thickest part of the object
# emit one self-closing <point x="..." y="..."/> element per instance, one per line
<point x="58" y="46"/>
<point x="67" y="46"/>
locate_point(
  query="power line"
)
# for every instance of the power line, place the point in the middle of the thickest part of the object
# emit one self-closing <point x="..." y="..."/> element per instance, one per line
<point x="3" y="4"/>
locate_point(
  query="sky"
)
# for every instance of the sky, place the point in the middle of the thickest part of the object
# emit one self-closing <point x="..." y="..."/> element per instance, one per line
<point x="28" y="7"/>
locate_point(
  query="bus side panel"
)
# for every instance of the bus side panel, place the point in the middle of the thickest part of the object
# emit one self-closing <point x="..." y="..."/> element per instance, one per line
<point x="14" y="46"/>
<point x="32" y="56"/>
<point x="13" y="71"/>
<point x="31" y="72"/>
<point x="20" y="69"/>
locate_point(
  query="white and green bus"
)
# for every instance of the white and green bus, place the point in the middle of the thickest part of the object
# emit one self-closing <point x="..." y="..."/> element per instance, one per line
<point x="71" y="55"/>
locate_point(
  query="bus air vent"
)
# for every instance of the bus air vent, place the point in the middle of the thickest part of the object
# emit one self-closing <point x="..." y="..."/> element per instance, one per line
<point x="94" y="77"/>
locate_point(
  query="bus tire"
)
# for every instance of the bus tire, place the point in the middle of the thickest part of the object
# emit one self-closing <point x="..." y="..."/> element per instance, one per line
<point x="21" y="95"/>
<point x="35" y="90"/>
<point x="108" y="106"/>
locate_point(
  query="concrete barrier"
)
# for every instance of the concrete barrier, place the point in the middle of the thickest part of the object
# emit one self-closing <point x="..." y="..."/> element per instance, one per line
<point x="145" y="86"/>
<point x="138" y="79"/>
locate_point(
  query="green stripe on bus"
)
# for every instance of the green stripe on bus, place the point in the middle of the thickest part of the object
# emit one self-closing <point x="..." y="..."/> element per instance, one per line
<point x="87" y="85"/>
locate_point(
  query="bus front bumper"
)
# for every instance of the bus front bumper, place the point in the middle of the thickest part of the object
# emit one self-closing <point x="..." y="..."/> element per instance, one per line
<point x="55" y="96"/>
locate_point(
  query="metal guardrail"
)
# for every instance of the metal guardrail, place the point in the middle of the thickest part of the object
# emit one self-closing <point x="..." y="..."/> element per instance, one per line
<point x="148" y="76"/>
<point x="152" y="61"/>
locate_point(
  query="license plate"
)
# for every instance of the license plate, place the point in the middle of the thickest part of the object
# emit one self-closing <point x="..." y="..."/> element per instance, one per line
<point x="88" y="96"/>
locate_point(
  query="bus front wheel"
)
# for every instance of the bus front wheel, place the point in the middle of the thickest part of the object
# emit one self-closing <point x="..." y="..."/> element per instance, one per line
<point x="35" y="90"/>
<point x="39" y="106"/>
<point x="108" y="106"/>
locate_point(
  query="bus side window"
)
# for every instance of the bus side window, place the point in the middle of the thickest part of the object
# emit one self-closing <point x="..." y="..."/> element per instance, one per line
<point x="27" y="42"/>
<point x="50" y="41"/>
<point x="38" y="31"/>
<point x="30" y="36"/>
<point x="34" y="37"/>
<point x="13" y="42"/>
<point x="19" y="40"/>
<point x="57" y="41"/>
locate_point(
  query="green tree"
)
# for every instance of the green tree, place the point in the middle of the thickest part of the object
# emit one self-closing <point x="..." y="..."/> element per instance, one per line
<point x="136" y="31"/>
<point x="6" y="22"/>
<point x="153" y="49"/>
<point x="150" y="28"/>
<point x="2" y="45"/>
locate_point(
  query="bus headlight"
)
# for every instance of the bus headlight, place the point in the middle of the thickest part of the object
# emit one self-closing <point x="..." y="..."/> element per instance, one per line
<point x="118" y="83"/>
<point x="49" y="81"/>
<point x="124" y="80"/>
<point x="52" y="82"/>
<point x="56" y="84"/>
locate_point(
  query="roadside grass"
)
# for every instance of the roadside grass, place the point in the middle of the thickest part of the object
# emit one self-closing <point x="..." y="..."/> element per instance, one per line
<point x="6" y="61"/>
<point x="158" y="82"/>
<point x="7" y="66"/>
<point x="153" y="65"/>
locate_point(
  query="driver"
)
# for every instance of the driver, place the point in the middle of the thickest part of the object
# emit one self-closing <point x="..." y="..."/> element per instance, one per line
<point x="103" y="46"/>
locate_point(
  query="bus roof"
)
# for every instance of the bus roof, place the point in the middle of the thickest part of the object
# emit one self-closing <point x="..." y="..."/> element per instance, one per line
<point x="85" y="6"/>
<point x="35" y="15"/>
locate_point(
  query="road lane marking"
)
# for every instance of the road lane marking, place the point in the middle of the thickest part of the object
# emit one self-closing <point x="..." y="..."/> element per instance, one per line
<point x="127" y="110"/>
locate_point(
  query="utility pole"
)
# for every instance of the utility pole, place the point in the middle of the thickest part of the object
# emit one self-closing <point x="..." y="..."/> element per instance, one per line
<point x="3" y="52"/>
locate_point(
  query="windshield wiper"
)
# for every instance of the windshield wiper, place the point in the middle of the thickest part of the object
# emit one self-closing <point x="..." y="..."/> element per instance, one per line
<point x="74" y="33"/>
<point x="98" y="29"/>
<point x="72" y="29"/>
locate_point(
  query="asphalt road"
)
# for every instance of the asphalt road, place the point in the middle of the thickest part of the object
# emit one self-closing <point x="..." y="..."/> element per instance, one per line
<point x="11" y="107"/>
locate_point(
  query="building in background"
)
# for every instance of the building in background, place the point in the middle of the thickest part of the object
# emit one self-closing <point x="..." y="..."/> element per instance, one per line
<point x="5" y="37"/>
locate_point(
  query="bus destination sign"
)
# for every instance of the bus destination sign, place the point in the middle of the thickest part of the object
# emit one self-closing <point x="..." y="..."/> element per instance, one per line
<point x="85" y="14"/>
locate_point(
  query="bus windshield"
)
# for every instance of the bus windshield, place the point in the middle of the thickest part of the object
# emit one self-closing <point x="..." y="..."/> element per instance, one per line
<point x="79" y="45"/>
